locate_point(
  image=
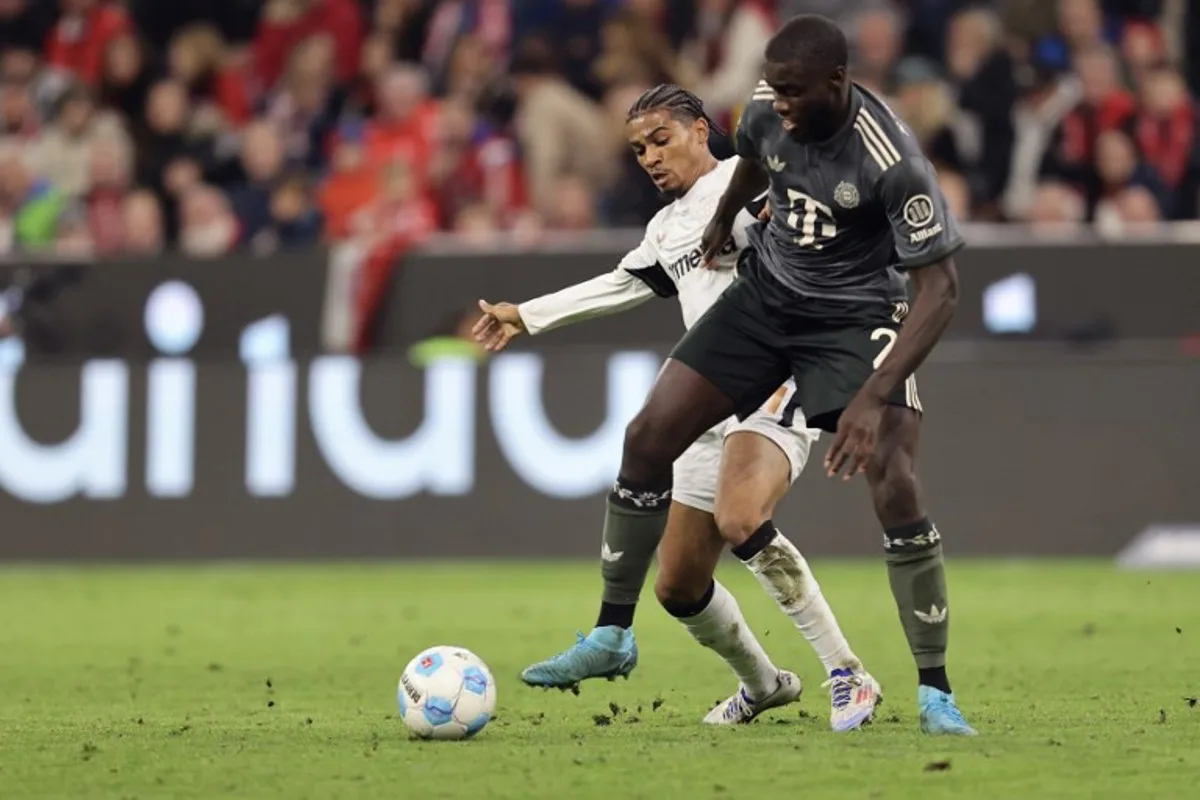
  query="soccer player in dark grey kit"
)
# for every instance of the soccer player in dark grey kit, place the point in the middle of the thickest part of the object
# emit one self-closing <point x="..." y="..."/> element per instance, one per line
<point x="821" y="297"/>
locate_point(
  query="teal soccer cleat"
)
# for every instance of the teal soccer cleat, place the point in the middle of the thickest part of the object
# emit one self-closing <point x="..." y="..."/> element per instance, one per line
<point x="940" y="714"/>
<point x="608" y="652"/>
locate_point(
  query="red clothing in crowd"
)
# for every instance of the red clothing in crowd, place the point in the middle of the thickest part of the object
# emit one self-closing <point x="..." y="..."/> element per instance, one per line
<point x="410" y="221"/>
<point x="343" y="195"/>
<point x="374" y="277"/>
<point x="274" y="40"/>
<point x="410" y="141"/>
<point x="402" y="226"/>
<point x="106" y="221"/>
<point x="1084" y="125"/>
<point x="78" y="42"/>
<point x="1166" y="142"/>
<point x="488" y="172"/>
<point x="230" y="92"/>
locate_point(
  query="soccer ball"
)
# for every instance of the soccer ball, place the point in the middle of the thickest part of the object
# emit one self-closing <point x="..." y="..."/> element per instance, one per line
<point x="446" y="693"/>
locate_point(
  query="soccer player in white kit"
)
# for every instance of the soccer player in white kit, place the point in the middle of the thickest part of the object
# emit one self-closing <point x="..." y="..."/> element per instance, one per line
<point x="751" y="464"/>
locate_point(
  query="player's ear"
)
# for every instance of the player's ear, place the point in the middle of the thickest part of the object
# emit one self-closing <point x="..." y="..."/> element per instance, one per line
<point x="838" y="78"/>
<point x="701" y="130"/>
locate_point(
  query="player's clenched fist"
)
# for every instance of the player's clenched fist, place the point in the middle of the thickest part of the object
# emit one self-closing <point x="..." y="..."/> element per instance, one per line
<point x="498" y="326"/>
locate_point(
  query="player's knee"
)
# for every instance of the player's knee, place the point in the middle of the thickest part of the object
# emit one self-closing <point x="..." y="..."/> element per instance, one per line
<point x="895" y="490"/>
<point x="737" y="520"/>
<point x="639" y="438"/>
<point x="642" y="459"/>
<point x="678" y="592"/>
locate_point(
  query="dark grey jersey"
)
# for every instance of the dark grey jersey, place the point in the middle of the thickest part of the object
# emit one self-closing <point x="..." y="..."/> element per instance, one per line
<point x="849" y="214"/>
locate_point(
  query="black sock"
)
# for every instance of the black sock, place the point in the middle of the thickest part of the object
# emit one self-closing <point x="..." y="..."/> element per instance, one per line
<point x="614" y="614"/>
<point x="757" y="542"/>
<point x="935" y="677"/>
<point x="688" y="610"/>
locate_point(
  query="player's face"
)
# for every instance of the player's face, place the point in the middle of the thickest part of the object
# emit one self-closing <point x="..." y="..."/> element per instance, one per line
<point x="805" y="99"/>
<point x="671" y="151"/>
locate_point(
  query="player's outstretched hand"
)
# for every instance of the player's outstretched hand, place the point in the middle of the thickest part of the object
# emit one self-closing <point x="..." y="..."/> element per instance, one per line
<point x="498" y="326"/>
<point x="715" y="236"/>
<point x="857" y="436"/>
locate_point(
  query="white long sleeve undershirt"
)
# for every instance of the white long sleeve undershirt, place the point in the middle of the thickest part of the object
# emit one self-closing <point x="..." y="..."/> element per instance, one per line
<point x="610" y="293"/>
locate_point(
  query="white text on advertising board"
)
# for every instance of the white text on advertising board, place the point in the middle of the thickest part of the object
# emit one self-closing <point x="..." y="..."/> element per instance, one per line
<point x="438" y="457"/>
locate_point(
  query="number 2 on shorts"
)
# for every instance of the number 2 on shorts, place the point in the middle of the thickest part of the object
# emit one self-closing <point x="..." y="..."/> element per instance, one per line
<point x="883" y="333"/>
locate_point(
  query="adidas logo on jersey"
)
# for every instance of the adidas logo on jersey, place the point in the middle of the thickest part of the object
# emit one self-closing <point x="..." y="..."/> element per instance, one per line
<point x="776" y="164"/>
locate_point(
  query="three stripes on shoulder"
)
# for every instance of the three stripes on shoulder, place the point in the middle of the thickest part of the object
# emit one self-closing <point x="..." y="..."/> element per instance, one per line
<point x="875" y="139"/>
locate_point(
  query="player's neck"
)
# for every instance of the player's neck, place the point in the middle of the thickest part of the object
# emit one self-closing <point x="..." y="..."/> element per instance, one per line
<point x="706" y="166"/>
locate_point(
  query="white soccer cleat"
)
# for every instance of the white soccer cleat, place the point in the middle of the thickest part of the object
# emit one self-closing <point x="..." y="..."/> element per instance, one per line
<point x="853" y="698"/>
<point x="740" y="709"/>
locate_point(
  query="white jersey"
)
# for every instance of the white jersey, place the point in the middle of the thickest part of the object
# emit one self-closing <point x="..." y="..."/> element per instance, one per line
<point x="665" y="264"/>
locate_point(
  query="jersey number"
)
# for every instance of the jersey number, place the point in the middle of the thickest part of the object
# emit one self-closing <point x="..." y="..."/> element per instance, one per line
<point x="911" y="398"/>
<point x="813" y="219"/>
<point x="883" y="333"/>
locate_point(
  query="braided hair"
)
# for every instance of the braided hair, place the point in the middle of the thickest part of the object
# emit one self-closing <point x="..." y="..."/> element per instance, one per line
<point x="677" y="101"/>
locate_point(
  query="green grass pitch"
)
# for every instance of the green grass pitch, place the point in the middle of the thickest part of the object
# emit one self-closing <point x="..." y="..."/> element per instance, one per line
<point x="279" y="681"/>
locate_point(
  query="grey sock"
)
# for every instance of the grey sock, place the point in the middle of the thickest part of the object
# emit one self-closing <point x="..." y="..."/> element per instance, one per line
<point x="630" y="539"/>
<point x="634" y="523"/>
<point x="917" y="573"/>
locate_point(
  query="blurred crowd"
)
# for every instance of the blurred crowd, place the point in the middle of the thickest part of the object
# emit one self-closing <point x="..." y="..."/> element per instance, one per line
<point x="214" y="125"/>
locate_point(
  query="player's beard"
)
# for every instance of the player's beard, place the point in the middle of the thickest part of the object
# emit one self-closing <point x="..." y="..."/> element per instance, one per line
<point x="671" y="195"/>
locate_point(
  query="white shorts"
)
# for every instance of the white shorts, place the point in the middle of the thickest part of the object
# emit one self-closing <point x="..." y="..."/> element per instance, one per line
<point x="779" y="420"/>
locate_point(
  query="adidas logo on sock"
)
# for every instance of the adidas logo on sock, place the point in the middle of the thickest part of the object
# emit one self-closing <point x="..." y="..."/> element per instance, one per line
<point x="643" y="499"/>
<point x="919" y="542"/>
<point x="936" y="616"/>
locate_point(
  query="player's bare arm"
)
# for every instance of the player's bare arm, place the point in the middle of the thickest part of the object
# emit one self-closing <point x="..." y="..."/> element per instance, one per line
<point x="748" y="182"/>
<point x="935" y="289"/>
